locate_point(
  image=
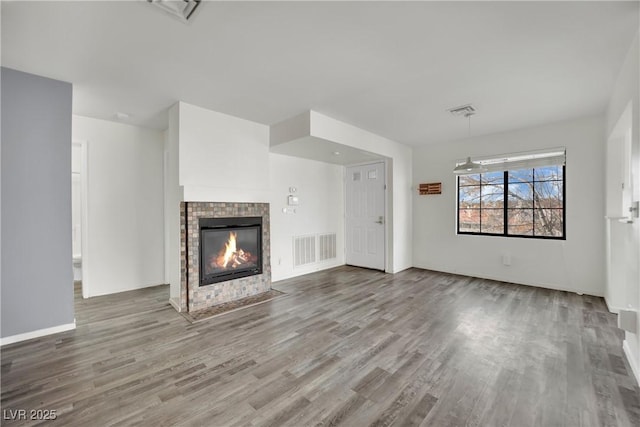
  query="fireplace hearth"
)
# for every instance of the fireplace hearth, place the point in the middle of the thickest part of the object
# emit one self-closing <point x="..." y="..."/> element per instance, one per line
<point x="230" y="248"/>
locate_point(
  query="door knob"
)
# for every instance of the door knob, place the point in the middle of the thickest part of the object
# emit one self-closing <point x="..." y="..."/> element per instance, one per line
<point x="380" y="220"/>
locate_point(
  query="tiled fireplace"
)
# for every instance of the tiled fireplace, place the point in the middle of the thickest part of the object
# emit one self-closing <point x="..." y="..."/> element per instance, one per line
<point x="235" y="261"/>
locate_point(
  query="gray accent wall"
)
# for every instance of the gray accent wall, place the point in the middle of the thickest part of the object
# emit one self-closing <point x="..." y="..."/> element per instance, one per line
<point x="36" y="268"/>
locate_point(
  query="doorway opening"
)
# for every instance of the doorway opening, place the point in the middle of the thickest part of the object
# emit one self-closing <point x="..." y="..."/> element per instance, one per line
<point x="79" y="215"/>
<point x="621" y="246"/>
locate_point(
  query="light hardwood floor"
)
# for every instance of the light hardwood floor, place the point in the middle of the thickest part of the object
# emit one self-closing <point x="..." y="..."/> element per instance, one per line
<point x="344" y="347"/>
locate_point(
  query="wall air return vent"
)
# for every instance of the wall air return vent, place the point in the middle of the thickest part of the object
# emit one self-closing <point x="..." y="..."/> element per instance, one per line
<point x="327" y="246"/>
<point x="182" y="9"/>
<point x="314" y="249"/>
<point x="304" y="250"/>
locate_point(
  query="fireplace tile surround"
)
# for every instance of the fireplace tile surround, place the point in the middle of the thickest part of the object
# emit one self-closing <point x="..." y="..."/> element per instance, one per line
<point x="194" y="297"/>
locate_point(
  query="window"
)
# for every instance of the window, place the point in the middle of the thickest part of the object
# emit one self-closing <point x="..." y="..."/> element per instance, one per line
<point x="514" y="202"/>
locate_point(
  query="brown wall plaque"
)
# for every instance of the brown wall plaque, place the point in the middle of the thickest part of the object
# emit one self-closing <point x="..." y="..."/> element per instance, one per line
<point x="430" y="188"/>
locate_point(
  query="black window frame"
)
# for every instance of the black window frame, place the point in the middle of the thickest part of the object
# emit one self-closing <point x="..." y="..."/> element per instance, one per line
<point x="505" y="209"/>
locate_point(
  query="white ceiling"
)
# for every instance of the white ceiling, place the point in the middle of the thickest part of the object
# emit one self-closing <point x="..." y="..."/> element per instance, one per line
<point x="392" y="68"/>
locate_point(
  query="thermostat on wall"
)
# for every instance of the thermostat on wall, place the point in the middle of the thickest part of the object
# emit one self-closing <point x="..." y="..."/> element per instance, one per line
<point x="292" y="201"/>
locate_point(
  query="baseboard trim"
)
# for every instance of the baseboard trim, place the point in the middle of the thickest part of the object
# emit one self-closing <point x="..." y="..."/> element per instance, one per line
<point x="304" y="270"/>
<point x="511" y="280"/>
<point x="37" y="334"/>
<point x="400" y="270"/>
<point x="631" y="360"/>
<point x="175" y="304"/>
<point x="117" y="291"/>
<point x="612" y="309"/>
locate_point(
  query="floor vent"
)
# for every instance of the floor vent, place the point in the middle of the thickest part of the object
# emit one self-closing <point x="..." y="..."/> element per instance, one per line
<point x="327" y="246"/>
<point x="304" y="250"/>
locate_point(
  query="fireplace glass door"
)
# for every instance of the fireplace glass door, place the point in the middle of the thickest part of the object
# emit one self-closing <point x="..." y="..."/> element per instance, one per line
<point x="230" y="248"/>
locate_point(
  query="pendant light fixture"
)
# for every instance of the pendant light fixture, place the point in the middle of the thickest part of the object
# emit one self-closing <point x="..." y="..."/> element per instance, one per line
<point x="468" y="167"/>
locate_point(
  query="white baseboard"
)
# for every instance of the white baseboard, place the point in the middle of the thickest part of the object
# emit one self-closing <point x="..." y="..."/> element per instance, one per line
<point x="553" y="287"/>
<point x="631" y="359"/>
<point x="175" y="304"/>
<point x="307" y="269"/>
<point x="119" y="290"/>
<point x="611" y="308"/>
<point x="37" y="334"/>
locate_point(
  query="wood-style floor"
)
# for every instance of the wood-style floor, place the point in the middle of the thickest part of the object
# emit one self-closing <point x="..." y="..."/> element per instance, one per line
<point x="344" y="347"/>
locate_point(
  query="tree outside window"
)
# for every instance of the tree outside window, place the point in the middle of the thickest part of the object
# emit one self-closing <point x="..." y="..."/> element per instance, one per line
<point x="519" y="203"/>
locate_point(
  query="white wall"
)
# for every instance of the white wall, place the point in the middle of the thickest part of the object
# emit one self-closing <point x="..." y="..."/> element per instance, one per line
<point x="399" y="177"/>
<point x="320" y="190"/>
<point x="172" y="199"/>
<point x="627" y="90"/>
<point x="222" y="158"/>
<point x="576" y="264"/>
<point x="125" y="206"/>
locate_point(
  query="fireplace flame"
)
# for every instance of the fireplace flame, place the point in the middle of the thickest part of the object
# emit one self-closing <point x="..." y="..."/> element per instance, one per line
<point x="229" y="250"/>
<point x="230" y="256"/>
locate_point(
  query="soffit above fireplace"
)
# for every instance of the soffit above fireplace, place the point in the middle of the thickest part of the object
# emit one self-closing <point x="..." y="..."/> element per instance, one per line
<point x="313" y="136"/>
<point x="322" y="150"/>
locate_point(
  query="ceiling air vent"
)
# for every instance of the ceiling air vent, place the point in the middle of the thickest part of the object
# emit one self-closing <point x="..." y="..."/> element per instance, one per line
<point x="463" y="110"/>
<point x="183" y="9"/>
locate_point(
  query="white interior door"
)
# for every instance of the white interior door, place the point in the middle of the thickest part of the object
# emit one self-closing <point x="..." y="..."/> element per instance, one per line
<point x="365" y="215"/>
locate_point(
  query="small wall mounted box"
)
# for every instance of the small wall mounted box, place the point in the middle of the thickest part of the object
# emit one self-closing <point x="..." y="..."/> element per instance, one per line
<point x="293" y="201"/>
<point x="627" y="320"/>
